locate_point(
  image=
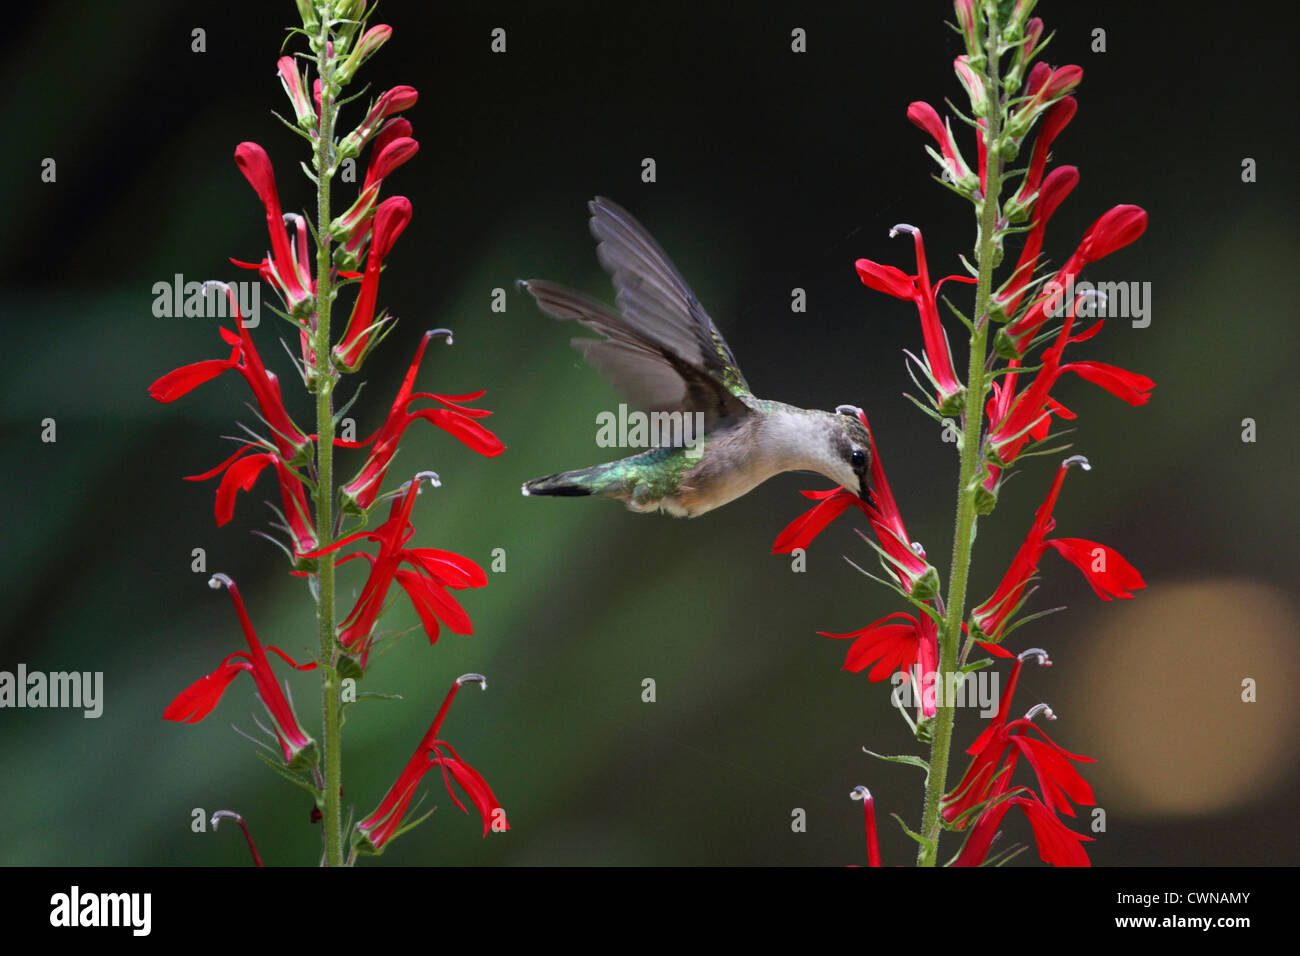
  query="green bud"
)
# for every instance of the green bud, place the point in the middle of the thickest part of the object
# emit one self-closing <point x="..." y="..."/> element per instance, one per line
<point x="345" y="260"/>
<point x="1005" y="346"/>
<point x="348" y="9"/>
<point x="925" y="730"/>
<point x="304" y="759"/>
<point x="927" y="585"/>
<point x="1014" y="77"/>
<point x="954" y="403"/>
<point x="348" y="667"/>
<point x="307" y="14"/>
<point x="1018" y="211"/>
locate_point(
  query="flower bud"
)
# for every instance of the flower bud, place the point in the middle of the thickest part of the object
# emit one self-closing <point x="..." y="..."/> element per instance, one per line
<point x="367" y="46"/>
<point x="1045" y="87"/>
<point x="392" y="101"/>
<point x="291" y="80"/>
<point x="973" y="82"/>
<point x="967" y="25"/>
<point x="927" y="585"/>
<point x="307" y="14"/>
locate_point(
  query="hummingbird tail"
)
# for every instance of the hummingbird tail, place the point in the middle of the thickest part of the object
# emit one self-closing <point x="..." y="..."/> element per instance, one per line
<point x="567" y="484"/>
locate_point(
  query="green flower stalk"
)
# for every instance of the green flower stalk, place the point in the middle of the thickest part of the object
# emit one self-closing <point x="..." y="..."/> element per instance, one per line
<point x="340" y="43"/>
<point x="1003" y="411"/>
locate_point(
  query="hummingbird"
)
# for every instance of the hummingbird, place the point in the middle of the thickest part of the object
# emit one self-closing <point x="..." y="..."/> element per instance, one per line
<point x="663" y="352"/>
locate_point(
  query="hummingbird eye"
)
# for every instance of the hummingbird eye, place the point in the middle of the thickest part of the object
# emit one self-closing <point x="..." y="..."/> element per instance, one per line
<point x="858" y="460"/>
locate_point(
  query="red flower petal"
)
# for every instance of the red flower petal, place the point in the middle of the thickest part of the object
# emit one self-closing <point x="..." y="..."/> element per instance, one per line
<point x="800" y="532"/>
<point x="1129" y="386"/>
<point x="886" y="279"/>
<point x="1110" y="575"/>
<point x="187" y="378"/>
<point x="432" y="603"/>
<point x="1057" y="843"/>
<point x="1115" y="229"/>
<point x="241" y="475"/>
<point x="466" y="429"/>
<point x="197" y="701"/>
<point x="479" y="792"/>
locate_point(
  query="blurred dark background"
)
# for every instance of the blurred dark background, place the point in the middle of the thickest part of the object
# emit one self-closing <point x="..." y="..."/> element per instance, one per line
<point x="775" y="171"/>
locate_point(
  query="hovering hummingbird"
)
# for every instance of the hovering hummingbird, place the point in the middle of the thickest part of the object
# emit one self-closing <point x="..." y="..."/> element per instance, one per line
<point x="662" y="351"/>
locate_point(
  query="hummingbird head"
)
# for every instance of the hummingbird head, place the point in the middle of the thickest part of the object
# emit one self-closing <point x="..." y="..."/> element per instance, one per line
<point x="849" y="460"/>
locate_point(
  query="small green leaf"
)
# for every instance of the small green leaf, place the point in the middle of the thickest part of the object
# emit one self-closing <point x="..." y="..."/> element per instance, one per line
<point x="289" y="775"/>
<point x="928" y="844"/>
<point x="909" y="759"/>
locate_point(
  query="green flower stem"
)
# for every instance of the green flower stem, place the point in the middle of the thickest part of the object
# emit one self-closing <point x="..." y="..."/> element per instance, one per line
<point x="332" y="819"/>
<point x="968" y="481"/>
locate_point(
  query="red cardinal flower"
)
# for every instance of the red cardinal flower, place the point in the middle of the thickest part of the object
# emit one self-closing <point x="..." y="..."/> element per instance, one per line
<point x="456" y="419"/>
<point x="1015" y="419"/>
<point x="1106" y="570"/>
<point x="1057" y="843"/>
<point x="287" y="272"/>
<point x="988" y="781"/>
<point x="1113" y="230"/>
<point x="998" y="749"/>
<point x="391" y="219"/>
<point x="1060" y="182"/>
<point x="882" y="513"/>
<point x="242" y="472"/>
<point x="383" y="824"/>
<point x="244" y="359"/>
<point x="911" y="649"/>
<point x="938" y="354"/>
<point x="198" y="700"/>
<point x="426" y="585"/>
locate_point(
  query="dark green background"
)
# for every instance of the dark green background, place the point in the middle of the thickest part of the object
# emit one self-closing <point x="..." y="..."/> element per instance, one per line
<point x="775" y="170"/>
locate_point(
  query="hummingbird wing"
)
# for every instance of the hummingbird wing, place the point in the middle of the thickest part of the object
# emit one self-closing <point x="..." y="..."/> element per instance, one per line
<point x="655" y="300"/>
<point x="660" y="349"/>
<point x="652" y="376"/>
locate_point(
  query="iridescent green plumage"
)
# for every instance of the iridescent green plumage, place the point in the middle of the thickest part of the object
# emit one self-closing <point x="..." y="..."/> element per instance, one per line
<point x="661" y="349"/>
